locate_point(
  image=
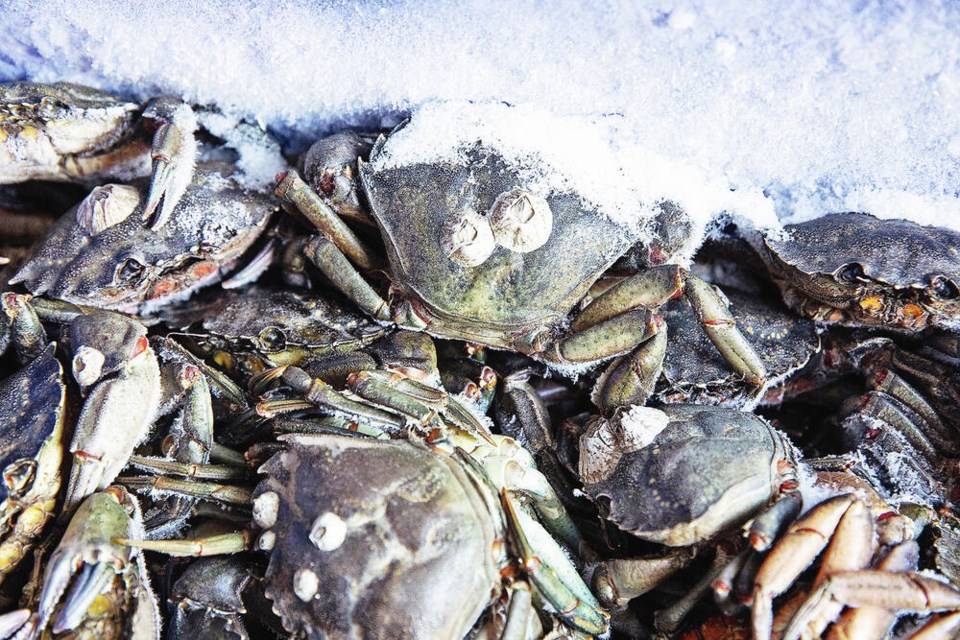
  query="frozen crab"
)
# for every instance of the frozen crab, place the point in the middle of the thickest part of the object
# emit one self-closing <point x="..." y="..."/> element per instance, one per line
<point x="684" y="474"/>
<point x="263" y="327"/>
<point x="124" y="391"/>
<point x="854" y="269"/>
<point x="693" y="371"/>
<point x="477" y="253"/>
<point x="414" y="537"/>
<point x="209" y="599"/>
<point x="102" y="253"/>
<point x="32" y="408"/>
<point x="94" y="587"/>
<point x="68" y="132"/>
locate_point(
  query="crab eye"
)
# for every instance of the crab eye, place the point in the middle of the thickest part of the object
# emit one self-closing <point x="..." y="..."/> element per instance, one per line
<point x="850" y="274"/>
<point x="130" y="271"/>
<point x="272" y="339"/>
<point x="943" y="289"/>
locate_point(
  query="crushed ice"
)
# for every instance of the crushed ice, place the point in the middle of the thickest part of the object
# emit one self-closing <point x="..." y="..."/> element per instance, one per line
<point x="794" y="107"/>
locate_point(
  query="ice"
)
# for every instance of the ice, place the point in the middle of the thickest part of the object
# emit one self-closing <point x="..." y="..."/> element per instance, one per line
<point x="801" y="108"/>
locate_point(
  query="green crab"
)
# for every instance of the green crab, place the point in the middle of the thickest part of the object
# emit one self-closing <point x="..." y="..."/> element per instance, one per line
<point x="854" y="269"/>
<point x="478" y="252"/>
<point x="32" y="412"/>
<point x="102" y="253"/>
<point x="415" y="536"/>
<point x="70" y="133"/>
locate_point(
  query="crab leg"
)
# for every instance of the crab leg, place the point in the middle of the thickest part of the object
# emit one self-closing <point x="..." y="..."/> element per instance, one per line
<point x="11" y="622"/>
<point x="851" y="549"/>
<point x="115" y="418"/>
<point x="650" y="289"/>
<point x="875" y="622"/>
<point x="942" y="628"/>
<point x="522" y="415"/>
<point x="802" y="543"/>
<point x="392" y="395"/>
<point x="26" y="332"/>
<point x="194" y="471"/>
<point x="611" y="337"/>
<point x="892" y="412"/>
<point x="223" y="544"/>
<point x="207" y="490"/>
<point x="552" y="574"/>
<point x="944" y="438"/>
<point x="330" y="259"/>
<point x="519" y="612"/>
<point x="630" y="379"/>
<point x="722" y="330"/>
<point x="620" y="580"/>
<point x="189" y="443"/>
<point x="322" y="394"/>
<point x="873" y="588"/>
<point x="767" y="526"/>
<point x="291" y="188"/>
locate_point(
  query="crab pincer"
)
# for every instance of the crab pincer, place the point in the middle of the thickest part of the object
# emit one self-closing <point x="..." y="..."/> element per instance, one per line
<point x="89" y="565"/>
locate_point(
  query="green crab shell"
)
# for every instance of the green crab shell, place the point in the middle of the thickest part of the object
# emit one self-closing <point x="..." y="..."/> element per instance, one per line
<point x="709" y="469"/>
<point x="379" y="539"/>
<point x="510" y="291"/>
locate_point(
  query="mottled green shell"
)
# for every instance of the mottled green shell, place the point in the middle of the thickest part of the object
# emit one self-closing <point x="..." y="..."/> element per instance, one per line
<point x="709" y="469"/>
<point x="510" y="290"/>
<point x="416" y="558"/>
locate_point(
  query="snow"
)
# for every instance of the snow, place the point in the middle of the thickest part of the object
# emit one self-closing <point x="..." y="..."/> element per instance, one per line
<point x="753" y="107"/>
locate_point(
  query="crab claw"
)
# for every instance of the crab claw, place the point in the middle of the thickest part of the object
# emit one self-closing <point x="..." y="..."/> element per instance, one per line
<point x="116" y="417"/>
<point x="174" y="154"/>
<point x="87" y="559"/>
<point x="11" y="622"/>
<point x="91" y="582"/>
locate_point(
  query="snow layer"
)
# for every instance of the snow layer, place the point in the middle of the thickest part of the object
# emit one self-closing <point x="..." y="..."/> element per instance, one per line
<point x="821" y="106"/>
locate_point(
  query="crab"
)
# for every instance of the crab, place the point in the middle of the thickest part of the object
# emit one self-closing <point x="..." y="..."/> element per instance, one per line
<point x="71" y="133"/>
<point x="694" y="372"/>
<point x="109" y="591"/>
<point x="102" y="254"/>
<point x="854" y="269"/>
<point x="895" y="396"/>
<point x="32" y="408"/>
<point x="124" y="390"/>
<point x="448" y="503"/>
<point x="478" y="253"/>
<point x="211" y="595"/>
<point x="642" y="468"/>
<point x="263" y="327"/>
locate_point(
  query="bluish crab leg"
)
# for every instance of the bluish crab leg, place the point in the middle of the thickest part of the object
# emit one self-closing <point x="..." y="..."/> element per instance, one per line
<point x="551" y="572"/>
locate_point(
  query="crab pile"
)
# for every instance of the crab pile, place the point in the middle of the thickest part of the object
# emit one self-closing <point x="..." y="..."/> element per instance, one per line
<point x="439" y="400"/>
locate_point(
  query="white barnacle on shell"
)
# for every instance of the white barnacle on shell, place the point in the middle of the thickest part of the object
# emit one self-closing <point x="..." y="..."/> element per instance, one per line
<point x="305" y="584"/>
<point x="521" y="221"/>
<point x="467" y="239"/>
<point x="87" y="365"/>
<point x="639" y="426"/>
<point x="328" y="531"/>
<point x="106" y="206"/>
<point x="266" y="541"/>
<point x="265" y="509"/>
<point x="607" y="440"/>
